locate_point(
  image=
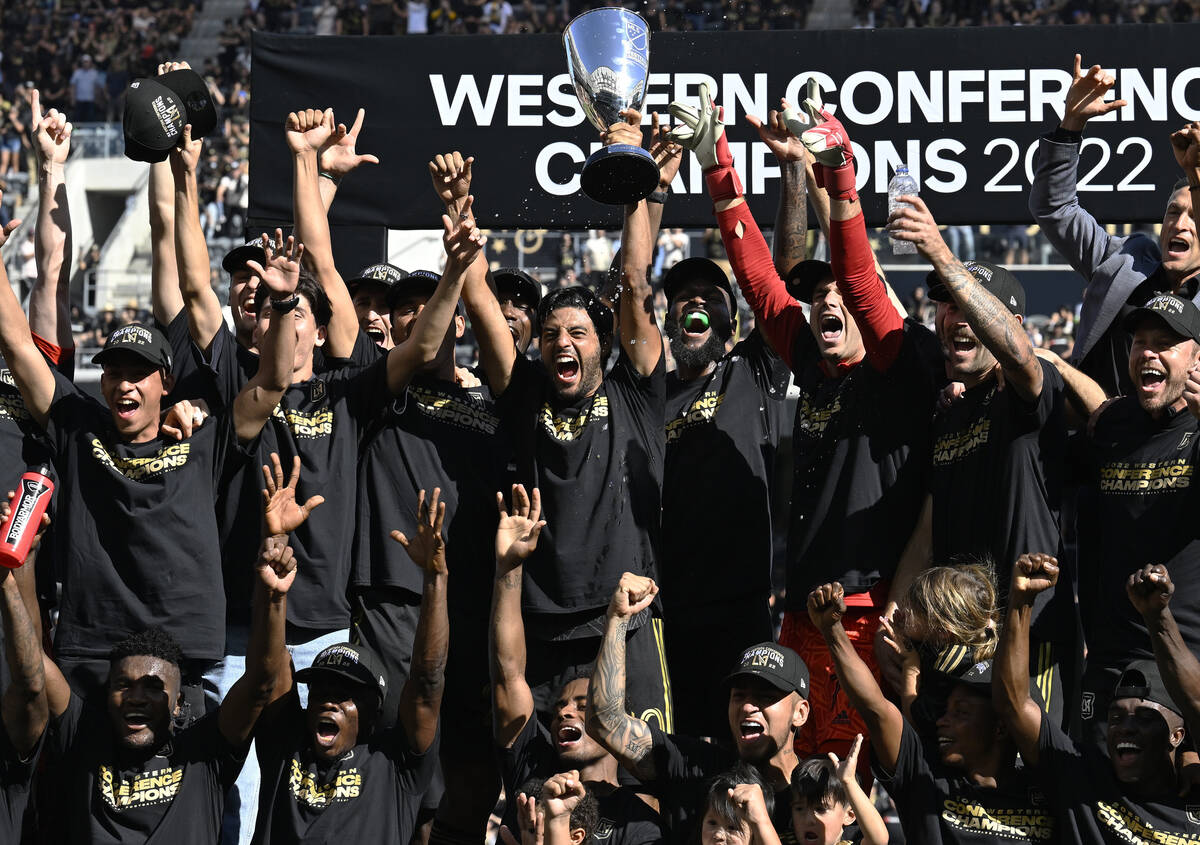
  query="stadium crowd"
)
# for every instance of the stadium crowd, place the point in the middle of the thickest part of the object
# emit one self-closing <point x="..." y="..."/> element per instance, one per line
<point x="305" y="577"/>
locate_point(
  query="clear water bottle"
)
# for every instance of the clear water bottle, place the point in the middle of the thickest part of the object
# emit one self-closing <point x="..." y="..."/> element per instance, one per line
<point x="902" y="184"/>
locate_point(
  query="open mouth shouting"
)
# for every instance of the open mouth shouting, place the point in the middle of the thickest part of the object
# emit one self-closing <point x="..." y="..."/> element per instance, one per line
<point x="1179" y="247"/>
<point x="569" y="736"/>
<point x="325" y="732"/>
<point x="1127" y="753"/>
<point x="136" y="720"/>
<point x="566" y="369"/>
<point x="751" y="730"/>
<point x="126" y="408"/>
<point x="832" y="328"/>
<point x="695" y="324"/>
<point x="961" y="344"/>
<point x="1151" y="380"/>
<point x="376" y="334"/>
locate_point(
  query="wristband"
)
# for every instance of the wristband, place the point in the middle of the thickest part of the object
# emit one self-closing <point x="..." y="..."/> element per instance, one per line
<point x="837" y="181"/>
<point x="657" y="196"/>
<point x="336" y="180"/>
<point x="723" y="183"/>
<point x="1062" y="135"/>
<point x="284" y="306"/>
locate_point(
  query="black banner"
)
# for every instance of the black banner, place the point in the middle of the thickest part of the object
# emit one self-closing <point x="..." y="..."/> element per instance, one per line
<point x="962" y="107"/>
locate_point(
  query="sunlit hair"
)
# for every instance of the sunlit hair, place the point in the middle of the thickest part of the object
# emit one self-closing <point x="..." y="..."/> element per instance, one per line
<point x="959" y="603"/>
<point x="815" y="782"/>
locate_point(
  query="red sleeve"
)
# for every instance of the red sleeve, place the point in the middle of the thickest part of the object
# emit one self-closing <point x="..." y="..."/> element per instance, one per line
<point x="779" y="315"/>
<point x="865" y="296"/>
<point x="54" y="354"/>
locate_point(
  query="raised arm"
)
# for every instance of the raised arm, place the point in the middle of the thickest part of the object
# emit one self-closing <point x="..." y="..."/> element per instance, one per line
<point x="627" y="738"/>
<point x="307" y="132"/>
<point x="268" y="674"/>
<point x="561" y="794"/>
<point x="781" y="317"/>
<point x="1053" y="198"/>
<point x="191" y="252"/>
<point x="1150" y="589"/>
<point x="421" y="697"/>
<point x="885" y="724"/>
<point x="1031" y="575"/>
<point x="996" y="327"/>
<point x="337" y="158"/>
<point x="1084" y="395"/>
<point x="870" y="823"/>
<point x="29" y="369"/>
<point x="255" y="402"/>
<point x="50" y="299"/>
<point x="853" y="261"/>
<point x="24" y="703"/>
<point x="668" y="156"/>
<point x="790" y="239"/>
<point x="463" y="243"/>
<point x="451" y="174"/>
<point x="166" y="300"/>
<point x="516" y="538"/>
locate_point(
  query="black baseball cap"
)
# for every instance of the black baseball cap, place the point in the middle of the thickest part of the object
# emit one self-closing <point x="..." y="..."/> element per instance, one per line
<point x="157" y="109"/>
<point x="416" y="283"/>
<point x="519" y="283"/>
<point x="776" y="664"/>
<point x="696" y="269"/>
<point x="237" y="257"/>
<point x="1141" y="679"/>
<point x="354" y="663"/>
<point x="1181" y="315"/>
<point x="804" y="277"/>
<point x="995" y="279"/>
<point x="144" y="341"/>
<point x="383" y="273"/>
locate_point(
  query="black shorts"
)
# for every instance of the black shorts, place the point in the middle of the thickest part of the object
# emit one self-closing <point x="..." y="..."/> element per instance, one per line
<point x="551" y="664"/>
<point x="704" y="645"/>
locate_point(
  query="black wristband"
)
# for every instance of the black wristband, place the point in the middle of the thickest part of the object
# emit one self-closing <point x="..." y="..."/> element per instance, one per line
<point x="1062" y="135"/>
<point x="336" y="180"/>
<point x="284" y="306"/>
<point x="657" y="196"/>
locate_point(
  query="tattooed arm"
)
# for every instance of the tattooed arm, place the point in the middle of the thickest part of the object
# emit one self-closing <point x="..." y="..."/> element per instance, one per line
<point x="997" y="328"/>
<point x="790" y="239"/>
<point x="516" y="538"/>
<point x="627" y="738"/>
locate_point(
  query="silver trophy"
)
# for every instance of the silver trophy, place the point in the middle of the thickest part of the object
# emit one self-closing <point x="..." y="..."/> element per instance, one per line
<point x="608" y="57"/>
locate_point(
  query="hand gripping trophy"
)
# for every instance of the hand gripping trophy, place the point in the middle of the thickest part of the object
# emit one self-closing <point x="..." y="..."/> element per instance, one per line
<point x="608" y="57"/>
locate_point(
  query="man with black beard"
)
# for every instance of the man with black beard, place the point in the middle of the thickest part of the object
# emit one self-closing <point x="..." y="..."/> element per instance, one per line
<point x="725" y="412"/>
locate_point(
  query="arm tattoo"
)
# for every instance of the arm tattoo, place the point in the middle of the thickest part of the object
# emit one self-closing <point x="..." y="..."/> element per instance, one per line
<point x="996" y="326"/>
<point x="790" y="240"/>
<point x="627" y="737"/>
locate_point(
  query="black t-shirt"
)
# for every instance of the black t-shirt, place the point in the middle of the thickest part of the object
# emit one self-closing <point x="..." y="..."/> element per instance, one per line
<point x="192" y="378"/>
<point x="436" y="434"/>
<point x="370" y="795"/>
<point x="860" y="444"/>
<point x="1093" y="807"/>
<point x="1145" y="511"/>
<point x="174" y="797"/>
<point x="1108" y="360"/>
<point x="937" y="806"/>
<point x="142" y="529"/>
<point x="599" y="464"/>
<point x="722" y="432"/>
<point x="684" y="766"/>
<point x="625" y="819"/>
<point x="16" y="779"/>
<point x="997" y="483"/>
<point x="321" y="420"/>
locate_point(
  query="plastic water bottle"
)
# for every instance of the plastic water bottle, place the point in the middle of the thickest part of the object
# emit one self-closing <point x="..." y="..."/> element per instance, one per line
<point x="902" y="184"/>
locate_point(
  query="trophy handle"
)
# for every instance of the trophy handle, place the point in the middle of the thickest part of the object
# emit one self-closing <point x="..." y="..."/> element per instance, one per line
<point x="619" y="174"/>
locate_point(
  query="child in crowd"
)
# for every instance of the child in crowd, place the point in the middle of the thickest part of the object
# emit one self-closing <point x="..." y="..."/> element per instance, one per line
<point x="739" y="809"/>
<point x="826" y="799"/>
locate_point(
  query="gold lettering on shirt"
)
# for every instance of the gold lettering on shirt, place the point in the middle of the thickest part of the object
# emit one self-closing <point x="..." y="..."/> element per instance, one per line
<point x="13" y="408"/>
<point x="167" y="459"/>
<point x="569" y="428"/>
<point x="317" y="796"/>
<point x="1024" y="824"/>
<point x="454" y="411"/>
<point x="703" y="410"/>
<point x="308" y="426"/>
<point x="1127" y="827"/>
<point x="143" y="789"/>
<point x="1126" y="477"/>
<point x="953" y="447"/>
<point x="814" y="418"/>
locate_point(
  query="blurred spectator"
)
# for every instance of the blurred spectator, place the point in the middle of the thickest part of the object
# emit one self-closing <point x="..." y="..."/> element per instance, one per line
<point x="87" y="91"/>
<point x="417" y="14"/>
<point x="325" y="18"/>
<point x="497" y="14"/>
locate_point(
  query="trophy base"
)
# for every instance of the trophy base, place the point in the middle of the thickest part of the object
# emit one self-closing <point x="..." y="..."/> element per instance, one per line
<point x="619" y="174"/>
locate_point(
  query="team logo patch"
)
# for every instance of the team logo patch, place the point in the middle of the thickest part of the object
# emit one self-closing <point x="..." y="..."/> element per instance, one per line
<point x="1089" y="704"/>
<point x="1193" y="813"/>
<point x="604" y="830"/>
<point x="1186" y="440"/>
<point x="316" y="390"/>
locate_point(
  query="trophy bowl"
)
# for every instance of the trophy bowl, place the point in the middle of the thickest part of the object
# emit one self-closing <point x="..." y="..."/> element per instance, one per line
<point x="608" y="57"/>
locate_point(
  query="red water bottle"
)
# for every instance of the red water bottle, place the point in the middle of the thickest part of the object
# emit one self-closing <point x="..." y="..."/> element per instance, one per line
<point x="25" y="516"/>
